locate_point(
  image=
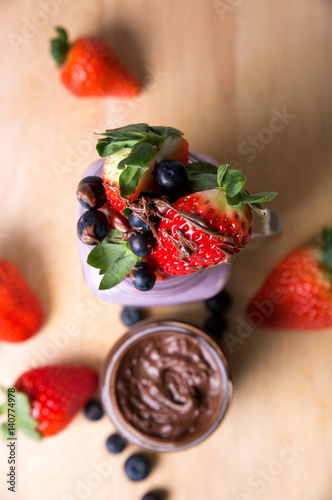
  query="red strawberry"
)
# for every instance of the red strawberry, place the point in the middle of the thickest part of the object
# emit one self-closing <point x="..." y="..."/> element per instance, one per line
<point x="173" y="147"/>
<point x="21" y="314"/>
<point x="206" y="228"/>
<point x="90" y="67"/>
<point x="188" y="245"/>
<point x="47" y="398"/>
<point x="298" y="292"/>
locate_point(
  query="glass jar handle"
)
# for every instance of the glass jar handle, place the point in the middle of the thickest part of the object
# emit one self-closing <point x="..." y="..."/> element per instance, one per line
<point x="266" y="227"/>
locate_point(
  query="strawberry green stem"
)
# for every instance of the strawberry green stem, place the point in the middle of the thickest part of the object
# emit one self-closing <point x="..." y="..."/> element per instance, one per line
<point x="326" y="257"/>
<point x="60" y="46"/>
<point x="17" y="412"/>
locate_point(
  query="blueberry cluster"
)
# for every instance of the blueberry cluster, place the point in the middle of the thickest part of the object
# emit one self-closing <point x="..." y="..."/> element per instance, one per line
<point x="91" y="195"/>
<point x="92" y="228"/>
<point x="138" y="465"/>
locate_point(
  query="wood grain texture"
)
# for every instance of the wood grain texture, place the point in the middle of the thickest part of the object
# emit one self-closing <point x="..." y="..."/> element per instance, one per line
<point x="219" y="71"/>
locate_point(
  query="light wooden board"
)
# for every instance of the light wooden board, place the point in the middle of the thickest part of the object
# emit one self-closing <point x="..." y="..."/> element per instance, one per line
<point x="219" y="71"/>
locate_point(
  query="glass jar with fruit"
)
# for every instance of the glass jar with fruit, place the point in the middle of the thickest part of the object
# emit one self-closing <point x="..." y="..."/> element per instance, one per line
<point x="165" y="223"/>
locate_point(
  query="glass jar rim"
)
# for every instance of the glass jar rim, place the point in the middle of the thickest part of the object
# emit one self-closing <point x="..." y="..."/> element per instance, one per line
<point x="109" y="370"/>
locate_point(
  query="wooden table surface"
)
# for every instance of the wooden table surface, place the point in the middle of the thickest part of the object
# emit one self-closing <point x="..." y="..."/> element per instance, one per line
<point x="248" y="80"/>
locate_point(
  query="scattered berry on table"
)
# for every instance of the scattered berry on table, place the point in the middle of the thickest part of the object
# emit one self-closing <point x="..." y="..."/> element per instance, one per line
<point x="92" y="227"/>
<point x="131" y="315"/>
<point x="216" y="325"/>
<point x="90" y="67"/>
<point x="298" y="292"/>
<point x="93" y="410"/>
<point x="170" y="176"/>
<point x="139" y="224"/>
<point x="115" y="443"/>
<point x="141" y="244"/>
<point x="21" y="312"/>
<point x="91" y="193"/>
<point x="220" y="303"/>
<point x="137" y="467"/>
<point x="152" y="495"/>
<point x="144" y="277"/>
<point x="55" y="394"/>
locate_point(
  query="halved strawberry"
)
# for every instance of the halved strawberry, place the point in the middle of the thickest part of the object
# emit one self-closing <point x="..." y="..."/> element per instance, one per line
<point x="162" y="147"/>
<point x="206" y="228"/>
<point x="214" y="237"/>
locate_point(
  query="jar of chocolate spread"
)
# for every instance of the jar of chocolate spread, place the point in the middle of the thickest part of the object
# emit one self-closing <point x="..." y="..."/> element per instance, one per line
<point x="165" y="385"/>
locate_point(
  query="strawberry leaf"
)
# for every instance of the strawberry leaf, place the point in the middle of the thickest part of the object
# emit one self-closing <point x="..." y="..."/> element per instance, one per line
<point x="133" y="167"/>
<point x="60" y="46"/>
<point x="5" y="430"/>
<point x="20" y="407"/>
<point x="202" y="176"/>
<point x="326" y="257"/>
<point x="221" y="173"/>
<point x="233" y="181"/>
<point x="105" y="255"/>
<point x="32" y="433"/>
<point x="4" y="406"/>
<point x="245" y="197"/>
<point x="126" y="212"/>
<point x="126" y="137"/>
<point x="106" y="148"/>
<point x="114" y="259"/>
<point x="165" y="131"/>
<point x="116" y="273"/>
<point x="233" y="201"/>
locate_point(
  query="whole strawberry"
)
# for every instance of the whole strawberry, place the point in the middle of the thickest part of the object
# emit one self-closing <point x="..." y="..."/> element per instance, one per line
<point x="206" y="228"/>
<point x="47" y="398"/>
<point x="90" y="67"/>
<point x="21" y="313"/>
<point x="298" y="293"/>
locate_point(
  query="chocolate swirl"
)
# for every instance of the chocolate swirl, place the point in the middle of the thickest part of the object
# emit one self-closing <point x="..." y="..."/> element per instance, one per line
<point x="169" y="386"/>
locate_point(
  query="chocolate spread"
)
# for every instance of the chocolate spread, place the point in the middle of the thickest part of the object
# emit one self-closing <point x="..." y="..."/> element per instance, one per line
<point x="85" y="192"/>
<point x="89" y="235"/>
<point x="145" y="207"/>
<point x="168" y="386"/>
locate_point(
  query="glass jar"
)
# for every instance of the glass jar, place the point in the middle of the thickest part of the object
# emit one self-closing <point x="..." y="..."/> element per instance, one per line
<point x="173" y="359"/>
<point x="199" y="285"/>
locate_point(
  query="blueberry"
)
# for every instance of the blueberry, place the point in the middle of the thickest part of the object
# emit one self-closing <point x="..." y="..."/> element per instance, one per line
<point x="139" y="224"/>
<point x="170" y="176"/>
<point x="93" y="410"/>
<point x="152" y="495"/>
<point x="115" y="443"/>
<point x="137" y="467"/>
<point x="141" y="244"/>
<point x="131" y="315"/>
<point x="144" y="277"/>
<point x="220" y="303"/>
<point x="216" y="326"/>
<point x="92" y="227"/>
<point x="91" y="193"/>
